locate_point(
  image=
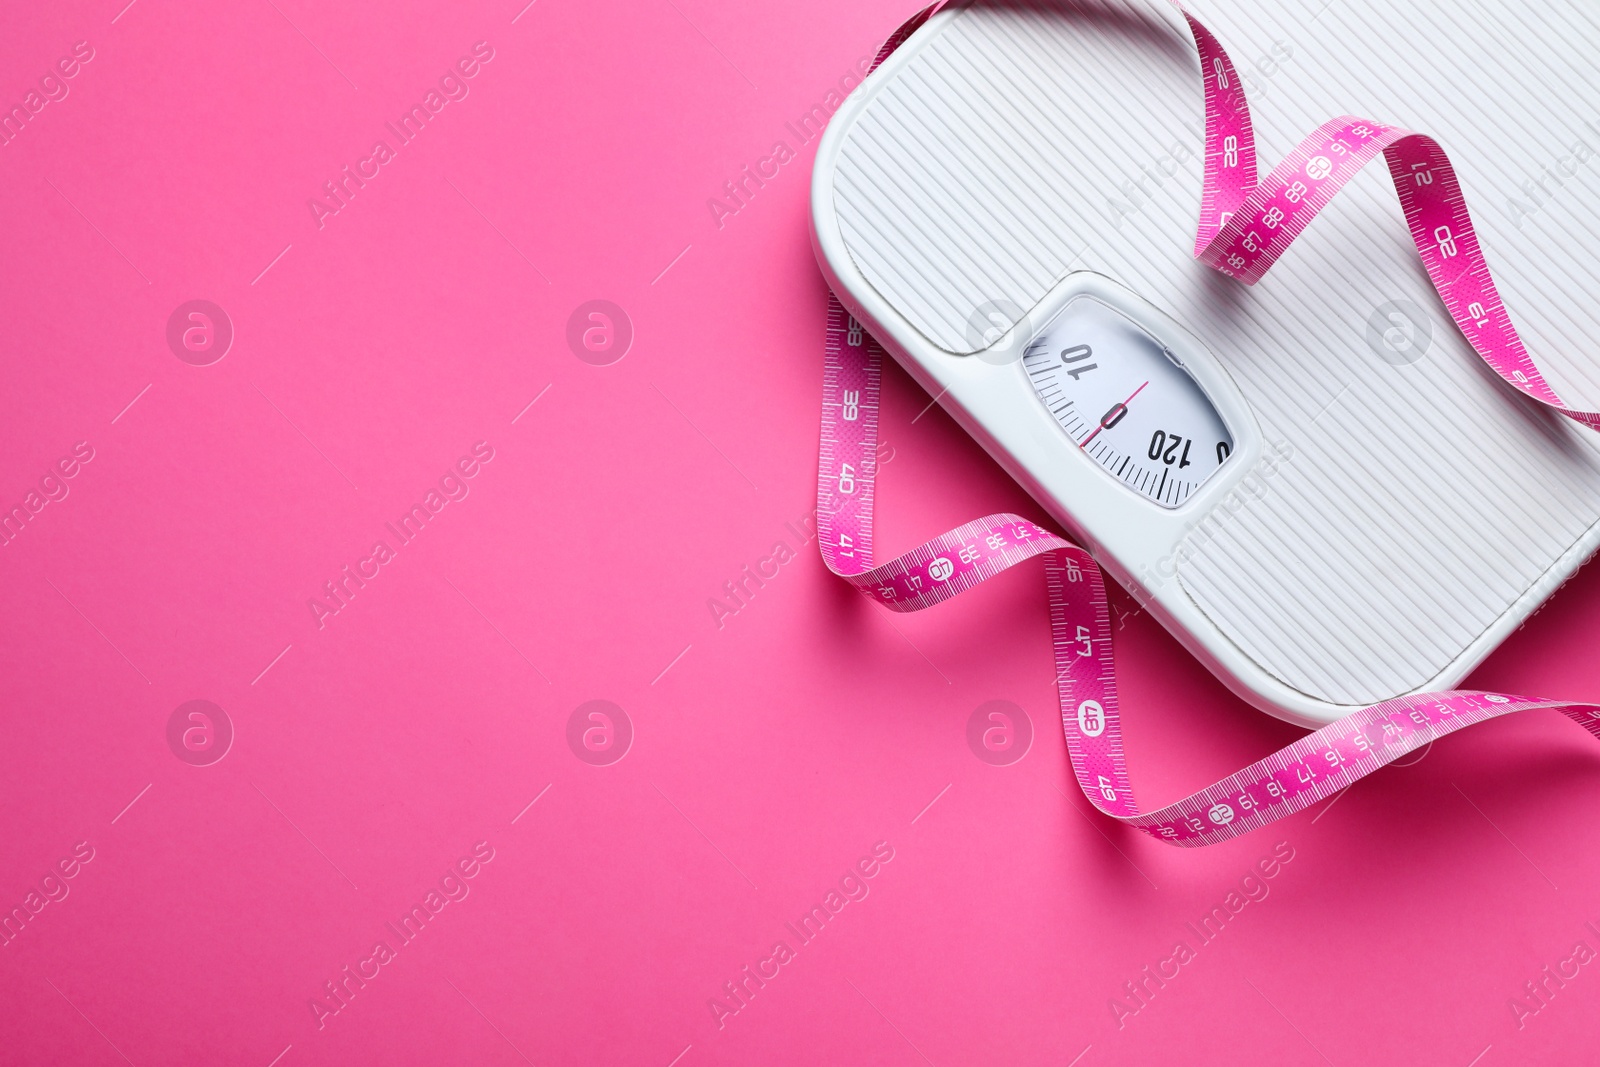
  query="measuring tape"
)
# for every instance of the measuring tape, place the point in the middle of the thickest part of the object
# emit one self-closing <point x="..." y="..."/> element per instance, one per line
<point x="1245" y="225"/>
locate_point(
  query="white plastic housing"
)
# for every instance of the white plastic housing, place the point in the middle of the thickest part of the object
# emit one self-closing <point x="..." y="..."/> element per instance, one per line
<point x="1391" y="511"/>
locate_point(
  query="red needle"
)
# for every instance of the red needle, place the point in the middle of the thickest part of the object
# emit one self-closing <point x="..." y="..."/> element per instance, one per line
<point x="1085" y="442"/>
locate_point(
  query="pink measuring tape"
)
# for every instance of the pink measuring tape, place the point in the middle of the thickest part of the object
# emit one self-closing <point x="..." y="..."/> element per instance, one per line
<point x="1244" y="227"/>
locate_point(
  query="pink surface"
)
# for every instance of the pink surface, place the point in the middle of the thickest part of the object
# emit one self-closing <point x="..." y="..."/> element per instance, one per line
<point x="774" y="754"/>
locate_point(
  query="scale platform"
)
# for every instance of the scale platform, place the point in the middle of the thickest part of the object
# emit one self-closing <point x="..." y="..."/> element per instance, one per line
<point x="1314" y="483"/>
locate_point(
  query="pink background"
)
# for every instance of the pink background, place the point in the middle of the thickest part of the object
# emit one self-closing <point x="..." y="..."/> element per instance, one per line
<point x="769" y="755"/>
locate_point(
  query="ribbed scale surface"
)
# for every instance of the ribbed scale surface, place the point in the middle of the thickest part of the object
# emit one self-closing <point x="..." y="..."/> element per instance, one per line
<point x="1422" y="500"/>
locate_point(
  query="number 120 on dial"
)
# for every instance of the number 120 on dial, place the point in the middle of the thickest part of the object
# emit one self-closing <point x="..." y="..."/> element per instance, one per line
<point x="1129" y="405"/>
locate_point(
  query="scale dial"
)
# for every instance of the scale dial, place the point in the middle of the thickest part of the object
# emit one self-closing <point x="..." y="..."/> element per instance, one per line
<point x="1127" y="401"/>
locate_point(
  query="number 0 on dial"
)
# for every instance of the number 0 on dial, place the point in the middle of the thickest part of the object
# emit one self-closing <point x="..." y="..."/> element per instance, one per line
<point x="1127" y="402"/>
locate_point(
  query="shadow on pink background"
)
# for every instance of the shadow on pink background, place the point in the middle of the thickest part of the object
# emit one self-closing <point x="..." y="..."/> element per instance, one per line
<point x="405" y="767"/>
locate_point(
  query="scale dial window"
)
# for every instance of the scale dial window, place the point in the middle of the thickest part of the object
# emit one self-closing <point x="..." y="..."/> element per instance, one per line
<point x="1127" y="402"/>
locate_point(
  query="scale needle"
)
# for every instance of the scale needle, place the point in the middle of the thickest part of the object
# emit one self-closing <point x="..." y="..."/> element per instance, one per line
<point x="1103" y="424"/>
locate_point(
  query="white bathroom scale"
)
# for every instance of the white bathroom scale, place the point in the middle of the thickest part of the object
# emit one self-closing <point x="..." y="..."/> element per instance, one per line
<point x="1314" y="482"/>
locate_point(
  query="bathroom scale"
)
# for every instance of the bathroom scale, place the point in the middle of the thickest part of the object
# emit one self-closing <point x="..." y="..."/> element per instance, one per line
<point x="1314" y="482"/>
